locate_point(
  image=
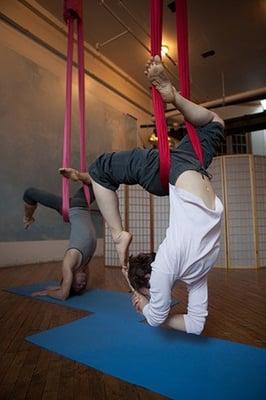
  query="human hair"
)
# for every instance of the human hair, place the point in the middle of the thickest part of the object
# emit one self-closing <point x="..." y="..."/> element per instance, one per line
<point x="139" y="270"/>
<point x="73" y="291"/>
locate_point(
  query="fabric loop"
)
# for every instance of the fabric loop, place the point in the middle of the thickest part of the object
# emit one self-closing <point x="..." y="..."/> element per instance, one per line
<point x="77" y="4"/>
<point x="183" y="69"/>
<point x="156" y="13"/>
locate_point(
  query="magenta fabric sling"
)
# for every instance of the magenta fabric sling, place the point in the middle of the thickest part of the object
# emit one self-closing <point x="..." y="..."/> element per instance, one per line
<point x="82" y="139"/>
<point x="156" y="8"/>
<point x="183" y="69"/>
<point x="72" y="12"/>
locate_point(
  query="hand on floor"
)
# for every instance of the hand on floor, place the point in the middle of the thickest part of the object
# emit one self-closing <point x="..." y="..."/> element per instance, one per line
<point x="139" y="301"/>
<point x="43" y="292"/>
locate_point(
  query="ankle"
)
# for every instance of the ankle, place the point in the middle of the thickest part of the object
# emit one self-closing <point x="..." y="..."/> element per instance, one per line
<point x="116" y="235"/>
<point x="84" y="177"/>
<point x="29" y="210"/>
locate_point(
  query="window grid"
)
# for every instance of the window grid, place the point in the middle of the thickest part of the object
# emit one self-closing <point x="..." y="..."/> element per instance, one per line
<point x="161" y="219"/>
<point x="239" y="143"/>
<point x="139" y="219"/>
<point x="217" y="181"/>
<point x="260" y="185"/>
<point x="239" y="213"/>
<point x="111" y="257"/>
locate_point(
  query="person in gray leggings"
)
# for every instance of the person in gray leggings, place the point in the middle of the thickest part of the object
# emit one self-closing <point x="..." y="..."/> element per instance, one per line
<point x="82" y="241"/>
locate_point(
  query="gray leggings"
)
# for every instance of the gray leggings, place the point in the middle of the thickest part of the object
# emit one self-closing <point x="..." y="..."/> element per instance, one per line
<point x="142" y="166"/>
<point x="32" y="196"/>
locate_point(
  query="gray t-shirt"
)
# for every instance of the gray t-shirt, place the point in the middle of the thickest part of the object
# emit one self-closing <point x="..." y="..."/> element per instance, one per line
<point x="82" y="235"/>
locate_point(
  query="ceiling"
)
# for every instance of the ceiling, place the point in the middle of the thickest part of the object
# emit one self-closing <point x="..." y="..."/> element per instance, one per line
<point x="234" y="29"/>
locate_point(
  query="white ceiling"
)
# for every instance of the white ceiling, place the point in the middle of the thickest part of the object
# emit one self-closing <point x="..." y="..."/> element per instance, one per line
<point x="234" y="29"/>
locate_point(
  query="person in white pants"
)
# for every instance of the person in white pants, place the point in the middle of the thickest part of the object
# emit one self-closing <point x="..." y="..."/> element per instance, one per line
<point x="192" y="242"/>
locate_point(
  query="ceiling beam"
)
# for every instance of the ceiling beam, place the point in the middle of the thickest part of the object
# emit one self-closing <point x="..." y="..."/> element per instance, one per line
<point x="246" y="123"/>
<point x="239" y="98"/>
<point x="233" y="126"/>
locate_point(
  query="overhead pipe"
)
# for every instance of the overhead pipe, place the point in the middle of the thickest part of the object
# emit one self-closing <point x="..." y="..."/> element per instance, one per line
<point x="129" y="12"/>
<point x="90" y="50"/>
<point x="130" y="31"/>
<point x="112" y="39"/>
<point x="250" y="122"/>
<point x="61" y="55"/>
<point x="243" y="97"/>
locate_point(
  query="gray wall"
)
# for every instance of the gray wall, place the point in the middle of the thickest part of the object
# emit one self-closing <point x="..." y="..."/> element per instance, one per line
<point x="32" y="115"/>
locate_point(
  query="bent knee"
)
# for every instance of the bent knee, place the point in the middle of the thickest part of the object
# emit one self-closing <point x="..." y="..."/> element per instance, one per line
<point x="216" y="118"/>
<point x="29" y="195"/>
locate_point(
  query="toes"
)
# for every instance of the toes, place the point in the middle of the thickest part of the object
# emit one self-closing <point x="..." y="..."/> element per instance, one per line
<point x="157" y="59"/>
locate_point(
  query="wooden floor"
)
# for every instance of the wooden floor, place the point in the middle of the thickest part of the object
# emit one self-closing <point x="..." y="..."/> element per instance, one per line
<point x="237" y="308"/>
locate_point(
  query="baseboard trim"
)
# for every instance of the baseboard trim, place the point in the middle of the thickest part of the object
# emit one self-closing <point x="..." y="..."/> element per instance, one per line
<point x="21" y="253"/>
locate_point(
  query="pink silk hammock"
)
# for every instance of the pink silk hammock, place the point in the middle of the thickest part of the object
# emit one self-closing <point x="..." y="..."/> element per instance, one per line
<point x="156" y="22"/>
<point x="156" y="12"/>
<point x="72" y="12"/>
<point x="183" y="69"/>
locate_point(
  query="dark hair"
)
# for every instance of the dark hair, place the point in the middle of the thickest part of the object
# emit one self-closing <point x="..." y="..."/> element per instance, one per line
<point x="139" y="268"/>
<point x="72" y="291"/>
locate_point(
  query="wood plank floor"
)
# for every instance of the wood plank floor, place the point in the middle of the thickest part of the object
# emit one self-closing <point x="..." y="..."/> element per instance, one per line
<point x="236" y="312"/>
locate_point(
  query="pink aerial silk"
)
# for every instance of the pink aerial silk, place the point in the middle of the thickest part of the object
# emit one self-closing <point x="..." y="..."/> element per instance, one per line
<point x="73" y="11"/>
<point x="158" y="105"/>
<point x="183" y="69"/>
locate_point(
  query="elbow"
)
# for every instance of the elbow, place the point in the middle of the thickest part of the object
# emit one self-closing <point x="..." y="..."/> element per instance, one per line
<point x="198" y="329"/>
<point x="155" y="323"/>
<point x="156" y="320"/>
<point x="194" y="325"/>
<point x="216" y="118"/>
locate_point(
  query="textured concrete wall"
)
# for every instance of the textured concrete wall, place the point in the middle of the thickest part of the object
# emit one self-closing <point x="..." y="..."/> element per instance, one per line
<point x="32" y="115"/>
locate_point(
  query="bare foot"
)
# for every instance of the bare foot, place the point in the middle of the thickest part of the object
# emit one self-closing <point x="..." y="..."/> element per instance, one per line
<point x="28" y="222"/>
<point x="70" y="173"/>
<point x="28" y="219"/>
<point x="122" y="242"/>
<point x="157" y="76"/>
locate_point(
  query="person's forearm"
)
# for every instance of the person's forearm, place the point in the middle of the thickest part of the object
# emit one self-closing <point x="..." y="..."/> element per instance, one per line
<point x="175" y="322"/>
<point x="193" y="113"/>
<point x="57" y="294"/>
<point x="54" y="292"/>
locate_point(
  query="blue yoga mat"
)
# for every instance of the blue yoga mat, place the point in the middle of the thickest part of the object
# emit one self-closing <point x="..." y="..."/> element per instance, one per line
<point x="174" y="364"/>
<point x="94" y="300"/>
